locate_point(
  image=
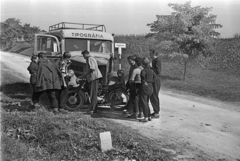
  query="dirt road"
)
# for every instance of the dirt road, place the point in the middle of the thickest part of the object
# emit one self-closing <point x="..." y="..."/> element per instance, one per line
<point x="190" y="127"/>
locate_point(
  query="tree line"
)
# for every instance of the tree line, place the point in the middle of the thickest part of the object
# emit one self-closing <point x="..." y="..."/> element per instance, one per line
<point x="12" y="30"/>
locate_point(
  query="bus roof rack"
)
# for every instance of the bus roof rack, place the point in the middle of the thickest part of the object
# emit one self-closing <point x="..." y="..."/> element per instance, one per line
<point x="70" y="25"/>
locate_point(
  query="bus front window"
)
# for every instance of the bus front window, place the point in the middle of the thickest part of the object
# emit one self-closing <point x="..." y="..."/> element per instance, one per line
<point x="100" y="46"/>
<point x="75" y="44"/>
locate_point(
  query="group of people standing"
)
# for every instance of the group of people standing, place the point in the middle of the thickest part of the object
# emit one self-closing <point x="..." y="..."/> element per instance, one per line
<point x="53" y="79"/>
<point x="144" y="85"/>
<point x="50" y="78"/>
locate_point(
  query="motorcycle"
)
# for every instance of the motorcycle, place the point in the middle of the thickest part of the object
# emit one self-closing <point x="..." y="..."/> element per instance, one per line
<point x="113" y="95"/>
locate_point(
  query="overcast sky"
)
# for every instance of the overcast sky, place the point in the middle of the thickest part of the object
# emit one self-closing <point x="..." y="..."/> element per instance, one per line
<point x="119" y="16"/>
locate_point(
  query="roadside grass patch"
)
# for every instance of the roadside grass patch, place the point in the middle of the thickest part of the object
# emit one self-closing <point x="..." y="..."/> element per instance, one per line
<point x="72" y="137"/>
<point x="20" y="46"/>
<point x="27" y="52"/>
<point x="203" y="82"/>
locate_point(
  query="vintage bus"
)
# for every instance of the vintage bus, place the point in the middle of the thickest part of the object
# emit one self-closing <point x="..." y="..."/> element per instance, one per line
<point x="76" y="37"/>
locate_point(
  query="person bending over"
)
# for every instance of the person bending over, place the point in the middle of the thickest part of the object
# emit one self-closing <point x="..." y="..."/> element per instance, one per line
<point x="92" y="75"/>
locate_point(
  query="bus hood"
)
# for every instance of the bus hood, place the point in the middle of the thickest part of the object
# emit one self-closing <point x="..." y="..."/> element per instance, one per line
<point x="102" y="58"/>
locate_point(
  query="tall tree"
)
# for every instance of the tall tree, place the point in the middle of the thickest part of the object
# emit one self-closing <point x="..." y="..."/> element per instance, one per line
<point x="28" y="33"/>
<point x="11" y="29"/>
<point x="188" y="31"/>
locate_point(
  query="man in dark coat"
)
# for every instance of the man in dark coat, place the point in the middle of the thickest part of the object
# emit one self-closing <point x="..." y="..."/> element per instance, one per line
<point x="49" y="80"/>
<point x="33" y="68"/>
<point x="156" y="67"/>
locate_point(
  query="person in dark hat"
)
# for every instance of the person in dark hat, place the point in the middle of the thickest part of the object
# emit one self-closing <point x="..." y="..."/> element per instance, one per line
<point x="146" y="89"/>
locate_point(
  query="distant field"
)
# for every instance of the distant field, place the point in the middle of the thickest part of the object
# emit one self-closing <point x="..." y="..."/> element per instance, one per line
<point x="223" y="85"/>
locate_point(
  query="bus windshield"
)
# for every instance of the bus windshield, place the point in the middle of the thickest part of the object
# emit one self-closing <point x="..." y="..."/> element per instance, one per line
<point x="99" y="46"/>
<point x="75" y="44"/>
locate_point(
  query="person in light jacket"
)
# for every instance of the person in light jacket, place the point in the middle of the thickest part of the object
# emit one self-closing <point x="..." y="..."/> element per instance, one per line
<point x="93" y="75"/>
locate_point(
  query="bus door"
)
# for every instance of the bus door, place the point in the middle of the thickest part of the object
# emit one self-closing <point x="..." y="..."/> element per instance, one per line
<point x="47" y="44"/>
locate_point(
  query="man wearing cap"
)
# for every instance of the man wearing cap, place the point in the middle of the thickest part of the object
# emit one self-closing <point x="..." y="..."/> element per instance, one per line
<point x="93" y="75"/>
<point x="156" y="67"/>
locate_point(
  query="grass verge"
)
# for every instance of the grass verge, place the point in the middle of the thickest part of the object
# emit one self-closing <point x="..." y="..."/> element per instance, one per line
<point x="220" y="85"/>
<point x="41" y="135"/>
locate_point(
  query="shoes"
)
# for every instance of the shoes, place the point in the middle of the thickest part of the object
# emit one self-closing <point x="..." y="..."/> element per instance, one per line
<point x="132" y="116"/>
<point x="155" y="115"/>
<point x="125" y="112"/>
<point x="90" y="112"/>
<point x="140" y="116"/>
<point x="61" y="110"/>
<point x="36" y="105"/>
<point x="55" y="111"/>
<point x="149" y="119"/>
<point x="144" y="120"/>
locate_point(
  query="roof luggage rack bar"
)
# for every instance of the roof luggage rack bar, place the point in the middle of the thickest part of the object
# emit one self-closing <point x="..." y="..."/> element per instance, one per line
<point x="69" y="25"/>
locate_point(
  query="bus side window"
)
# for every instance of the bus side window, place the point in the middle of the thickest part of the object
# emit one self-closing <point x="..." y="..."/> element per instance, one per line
<point x="47" y="44"/>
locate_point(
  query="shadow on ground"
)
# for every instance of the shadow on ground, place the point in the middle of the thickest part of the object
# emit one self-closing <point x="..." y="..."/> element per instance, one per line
<point x="112" y="114"/>
<point x="17" y="97"/>
<point x="24" y="106"/>
<point x="17" y="90"/>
